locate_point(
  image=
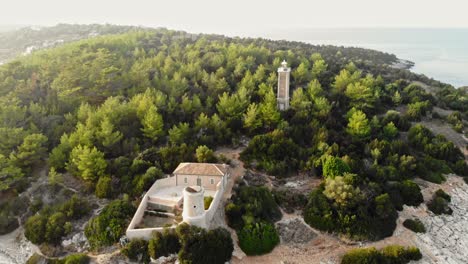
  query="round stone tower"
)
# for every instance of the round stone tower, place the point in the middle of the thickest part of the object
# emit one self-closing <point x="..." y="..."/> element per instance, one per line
<point x="194" y="209"/>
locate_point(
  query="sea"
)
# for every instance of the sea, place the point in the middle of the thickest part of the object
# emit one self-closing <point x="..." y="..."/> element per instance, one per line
<point x="439" y="53"/>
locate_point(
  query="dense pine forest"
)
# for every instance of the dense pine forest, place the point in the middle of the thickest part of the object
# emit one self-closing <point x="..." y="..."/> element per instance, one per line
<point x="114" y="113"/>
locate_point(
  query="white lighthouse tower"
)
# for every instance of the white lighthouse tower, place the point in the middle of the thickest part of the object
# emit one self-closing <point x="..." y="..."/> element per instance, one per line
<point x="194" y="208"/>
<point x="283" y="86"/>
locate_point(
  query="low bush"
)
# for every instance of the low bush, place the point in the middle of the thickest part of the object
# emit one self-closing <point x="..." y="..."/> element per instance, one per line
<point x="440" y="203"/>
<point x="393" y="254"/>
<point x="52" y="223"/>
<point x="362" y="256"/>
<point x="439" y="206"/>
<point x="201" y="246"/>
<point x="137" y="250"/>
<point x="414" y="225"/>
<point x="255" y="203"/>
<point x="8" y="223"/>
<point x="163" y="244"/>
<point x="75" y="259"/>
<point x="258" y="238"/>
<point x="107" y="228"/>
<point x="442" y="194"/>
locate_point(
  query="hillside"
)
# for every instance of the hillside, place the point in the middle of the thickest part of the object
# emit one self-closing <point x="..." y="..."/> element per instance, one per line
<point x="16" y="41"/>
<point x="88" y="126"/>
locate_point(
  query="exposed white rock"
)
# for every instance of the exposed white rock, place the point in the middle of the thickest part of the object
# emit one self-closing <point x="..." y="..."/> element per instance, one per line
<point x="446" y="238"/>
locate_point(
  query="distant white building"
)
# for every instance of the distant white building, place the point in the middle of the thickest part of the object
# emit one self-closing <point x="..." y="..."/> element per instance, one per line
<point x="284" y="73"/>
<point x="185" y="190"/>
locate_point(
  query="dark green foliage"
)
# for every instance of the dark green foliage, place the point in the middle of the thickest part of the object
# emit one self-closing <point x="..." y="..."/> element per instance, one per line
<point x="107" y="228"/>
<point x="442" y="194"/>
<point x="406" y="192"/>
<point x="334" y="166"/>
<point x="414" y="225"/>
<point x="10" y="208"/>
<point x="318" y="212"/>
<point x="104" y="187"/>
<point x="7" y="223"/>
<point x="440" y="203"/>
<point x="393" y="254"/>
<point x="75" y="259"/>
<point x="35" y="229"/>
<point x="432" y="170"/>
<point x="258" y="238"/>
<point x="373" y="220"/>
<point x="273" y="152"/>
<point x="52" y="223"/>
<point x="163" y="244"/>
<point x="253" y="204"/>
<point x="142" y="183"/>
<point x="137" y="250"/>
<point x="289" y="199"/>
<point x="460" y="168"/>
<point x="437" y="147"/>
<point x="56" y="227"/>
<point x="75" y="208"/>
<point x="199" y="246"/>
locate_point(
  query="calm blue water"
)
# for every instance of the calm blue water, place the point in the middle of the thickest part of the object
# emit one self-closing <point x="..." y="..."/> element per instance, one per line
<point x="438" y="53"/>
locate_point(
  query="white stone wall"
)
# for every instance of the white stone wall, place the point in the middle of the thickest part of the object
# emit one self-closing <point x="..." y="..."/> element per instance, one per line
<point x="205" y="180"/>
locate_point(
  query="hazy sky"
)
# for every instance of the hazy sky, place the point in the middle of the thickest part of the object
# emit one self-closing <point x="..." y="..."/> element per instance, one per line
<point x="239" y="15"/>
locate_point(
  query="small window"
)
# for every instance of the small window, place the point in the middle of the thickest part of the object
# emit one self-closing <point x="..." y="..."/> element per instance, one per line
<point x="212" y="181"/>
<point x="185" y="180"/>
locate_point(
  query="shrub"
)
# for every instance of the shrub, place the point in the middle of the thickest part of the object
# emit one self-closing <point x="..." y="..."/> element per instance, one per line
<point x="411" y="193"/>
<point x="163" y="244"/>
<point x="106" y="228"/>
<point x="76" y="259"/>
<point x="199" y="246"/>
<point x="460" y="168"/>
<point x="440" y="203"/>
<point x="394" y="254"/>
<point x="318" y="212"/>
<point x="362" y="256"/>
<point x="103" y="187"/>
<point x="75" y="208"/>
<point x="56" y="227"/>
<point x="137" y="250"/>
<point x="234" y="215"/>
<point x="399" y="254"/>
<point x="205" y="154"/>
<point x="258" y="238"/>
<point x="273" y="152"/>
<point x="442" y="194"/>
<point x="35" y="228"/>
<point x="36" y="259"/>
<point x="334" y="166"/>
<point x="414" y="225"/>
<point x="255" y="202"/>
<point x="207" y="201"/>
<point x="8" y="223"/>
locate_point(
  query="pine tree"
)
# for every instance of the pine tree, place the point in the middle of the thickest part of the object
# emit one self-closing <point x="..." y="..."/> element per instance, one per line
<point x="251" y="118"/>
<point x="358" y="125"/>
<point x="152" y="124"/>
<point x="268" y="111"/>
<point x="86" y="162"/>
<point x="106" y="135"/>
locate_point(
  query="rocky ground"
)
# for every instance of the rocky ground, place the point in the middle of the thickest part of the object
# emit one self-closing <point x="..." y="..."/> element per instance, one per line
<point x="446" y="239"/>
<point x="15" y="248"/>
